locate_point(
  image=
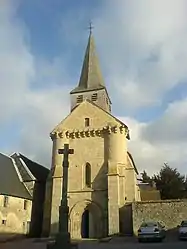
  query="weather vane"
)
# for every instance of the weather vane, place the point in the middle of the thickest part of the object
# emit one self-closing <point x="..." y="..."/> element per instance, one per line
<point x="90" y="27"/>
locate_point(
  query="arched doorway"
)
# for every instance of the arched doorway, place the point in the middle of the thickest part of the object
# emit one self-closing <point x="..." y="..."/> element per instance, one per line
<point x="85" y="224"/>
<point x="86" y="220"/>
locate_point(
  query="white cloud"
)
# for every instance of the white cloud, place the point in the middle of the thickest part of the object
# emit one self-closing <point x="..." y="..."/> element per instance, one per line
<point x="46" y="111"/>
<point x="141" y="44"/>
<point x="171" y="127"/>
<point x="16" y="62"/>
<point x="164" y="140"/>
<point x="144" y="41"/>
<point x="31" y="89"/>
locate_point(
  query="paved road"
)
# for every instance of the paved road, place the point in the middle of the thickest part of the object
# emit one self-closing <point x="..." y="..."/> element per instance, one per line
<point x="30" y="244"/>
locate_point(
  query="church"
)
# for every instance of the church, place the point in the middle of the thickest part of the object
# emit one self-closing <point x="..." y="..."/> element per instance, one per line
<point x="102" y="173"/>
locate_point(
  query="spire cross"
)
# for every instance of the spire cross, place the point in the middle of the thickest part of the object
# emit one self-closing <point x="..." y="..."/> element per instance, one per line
<point x="90" y="27"/>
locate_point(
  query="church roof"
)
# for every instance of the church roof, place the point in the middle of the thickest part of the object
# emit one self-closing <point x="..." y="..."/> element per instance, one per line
<point x="133" y="163"/>
<point x="10" y="179"/>
<point x="91" y="76"/>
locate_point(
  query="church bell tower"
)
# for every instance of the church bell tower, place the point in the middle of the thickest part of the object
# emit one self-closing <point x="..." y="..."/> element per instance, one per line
<point x="91" y="84"/>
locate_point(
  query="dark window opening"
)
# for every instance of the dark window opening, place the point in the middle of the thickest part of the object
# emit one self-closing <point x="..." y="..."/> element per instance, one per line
<point x="88" y="175"/>
<point x="5" y="203"/>
<point x="25" y="205"/>
<point x="3" y="222"/>
<point x="87" y="122"/>
<point x="79" y="98"/>
<point x="94" y="97"/>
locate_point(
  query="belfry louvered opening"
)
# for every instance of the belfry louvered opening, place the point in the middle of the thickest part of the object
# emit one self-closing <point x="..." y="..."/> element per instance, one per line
<point x="79" y="98"/>
<point x="94" y="96"/>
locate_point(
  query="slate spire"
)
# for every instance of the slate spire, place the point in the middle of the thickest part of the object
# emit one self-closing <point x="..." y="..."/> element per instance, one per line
<point x="91" y="84"/>
<point x="91" y="76"/>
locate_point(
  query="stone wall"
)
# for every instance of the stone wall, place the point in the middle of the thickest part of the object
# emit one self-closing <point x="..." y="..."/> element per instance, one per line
<point x="14" y="218"/>
<point x="96" y="145"/>
<point x="125" y="215"/>
<point x="170" y="213"/>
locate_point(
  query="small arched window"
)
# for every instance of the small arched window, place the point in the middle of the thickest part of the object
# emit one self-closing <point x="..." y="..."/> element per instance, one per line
<point x="88" y="175"/>
<point x="87" y="122"/>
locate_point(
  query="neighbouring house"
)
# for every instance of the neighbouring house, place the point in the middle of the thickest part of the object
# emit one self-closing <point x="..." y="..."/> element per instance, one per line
<point x="22" y="193"/>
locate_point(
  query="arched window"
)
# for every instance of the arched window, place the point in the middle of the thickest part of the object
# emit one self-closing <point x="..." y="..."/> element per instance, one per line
<point x="88" y="175"/>
<point x="87" y="122"/>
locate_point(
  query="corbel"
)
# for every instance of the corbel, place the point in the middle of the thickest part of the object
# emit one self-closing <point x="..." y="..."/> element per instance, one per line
<point x="78" y="134"/>
<point x="115" y="129"/>
<point x="67" y="134"/>
<point x="60" y="134"/>
<point x="73" y="134"/>
<point x="83" y="133"/>
<point x="88" y="133"/>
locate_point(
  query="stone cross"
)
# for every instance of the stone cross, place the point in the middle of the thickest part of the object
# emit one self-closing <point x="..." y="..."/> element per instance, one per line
<point x="62" y="239"/>
<point x="90" y="27"/>
<point x="64" y="209"/>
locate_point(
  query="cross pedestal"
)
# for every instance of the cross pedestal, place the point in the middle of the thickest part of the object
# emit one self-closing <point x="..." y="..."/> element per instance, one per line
<point x="62" y="239"/>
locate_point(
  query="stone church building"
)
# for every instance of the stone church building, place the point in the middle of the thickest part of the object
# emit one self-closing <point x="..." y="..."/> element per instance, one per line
<point x="102" y="174"/>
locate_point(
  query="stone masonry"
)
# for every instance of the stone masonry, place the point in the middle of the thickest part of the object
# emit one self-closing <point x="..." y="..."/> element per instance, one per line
<point x="102" y="176"/>
<point x="169" y="212"/>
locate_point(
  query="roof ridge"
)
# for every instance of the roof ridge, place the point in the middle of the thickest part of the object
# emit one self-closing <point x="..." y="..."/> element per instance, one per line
<point x="3" y="154"/>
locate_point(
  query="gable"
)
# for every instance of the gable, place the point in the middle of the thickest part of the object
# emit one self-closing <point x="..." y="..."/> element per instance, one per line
<point x="97" y="116"/>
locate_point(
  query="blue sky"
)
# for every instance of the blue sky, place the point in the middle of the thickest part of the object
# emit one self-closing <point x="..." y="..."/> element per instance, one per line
<point x="143" y="56"/>
<point x="46" y="41"/>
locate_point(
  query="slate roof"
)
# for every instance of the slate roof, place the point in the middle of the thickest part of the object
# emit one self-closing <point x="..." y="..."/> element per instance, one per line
<point x="29" y="169"/>
<point x="10" y="180"/>
<point x="91" y="77"/>
<point x="38" y="171"/>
